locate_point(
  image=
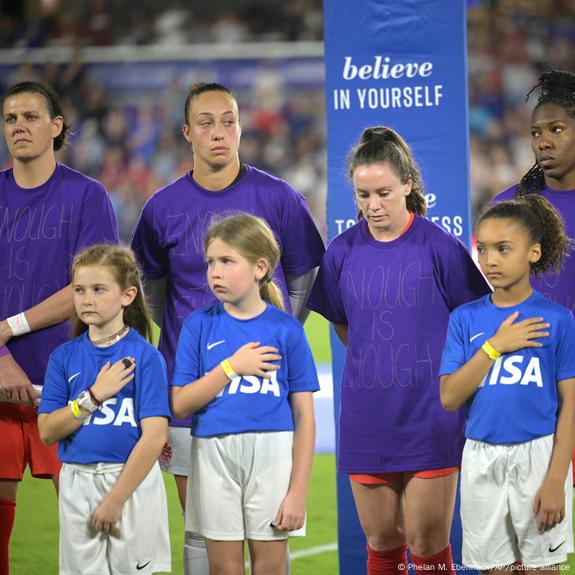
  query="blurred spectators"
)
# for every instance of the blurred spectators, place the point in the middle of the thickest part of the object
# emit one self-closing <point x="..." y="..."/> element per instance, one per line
<point x="144" y="22"/>
<point x="510" y="43"/>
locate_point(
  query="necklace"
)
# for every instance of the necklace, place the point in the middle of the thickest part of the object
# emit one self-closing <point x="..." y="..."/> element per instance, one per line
<point x="110" y="339"/>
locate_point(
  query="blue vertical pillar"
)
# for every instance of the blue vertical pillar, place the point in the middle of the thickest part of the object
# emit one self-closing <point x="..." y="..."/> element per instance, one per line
<point x="400" y="63"/>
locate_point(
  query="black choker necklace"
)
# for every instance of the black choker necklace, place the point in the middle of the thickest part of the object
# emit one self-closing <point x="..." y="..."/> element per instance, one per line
<point x="110" y="339"/>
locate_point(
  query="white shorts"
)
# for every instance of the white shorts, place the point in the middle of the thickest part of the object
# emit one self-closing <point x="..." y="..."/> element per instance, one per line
<point x="498" y="488"/>
<point x="237" y="484"/>
<point x="175" y="456"/>
<point x="140" y="543"/>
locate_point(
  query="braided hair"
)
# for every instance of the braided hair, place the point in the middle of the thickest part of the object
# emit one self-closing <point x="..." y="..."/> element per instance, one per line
<point x="556" y="87"/>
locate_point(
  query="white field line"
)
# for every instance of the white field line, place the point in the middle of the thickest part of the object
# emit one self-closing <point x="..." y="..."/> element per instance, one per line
<point x="317" y="550"/>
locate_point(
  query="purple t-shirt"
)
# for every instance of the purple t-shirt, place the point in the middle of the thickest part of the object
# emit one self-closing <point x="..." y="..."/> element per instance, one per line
<point x="395" y="298"/>
<point x="169" y="240"/>
<point x="559" y="287"/>
<point x="41" y="229"/>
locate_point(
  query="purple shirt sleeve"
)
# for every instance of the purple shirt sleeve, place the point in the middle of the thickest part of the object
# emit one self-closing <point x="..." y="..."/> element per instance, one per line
<point x="508" y="194"/>
<point x="459" y="278"/>
<point x="97" y="219"/>
<point x="151" y="254"/>
<point x="302" y="245"/>
<point x="325" y="296"/>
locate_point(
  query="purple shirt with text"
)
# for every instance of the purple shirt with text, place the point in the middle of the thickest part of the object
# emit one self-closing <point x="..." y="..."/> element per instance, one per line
<point x="169" y="240"/>
<point x="41" y="230"/>
<point x="395" y="298"/>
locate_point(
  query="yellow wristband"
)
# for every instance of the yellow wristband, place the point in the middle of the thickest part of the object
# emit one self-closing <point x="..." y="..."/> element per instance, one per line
<point x="491" y="352"/>
<point x="228" y="369"/>
<point x="76" y="411"/>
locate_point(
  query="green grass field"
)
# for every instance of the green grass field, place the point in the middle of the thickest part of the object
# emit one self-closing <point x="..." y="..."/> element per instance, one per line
<point x="317" y="331"/>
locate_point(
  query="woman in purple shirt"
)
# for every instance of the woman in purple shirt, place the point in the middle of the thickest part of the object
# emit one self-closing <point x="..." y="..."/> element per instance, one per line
<point x="553" y="174"/>
<point x="48" y="212"/>
<point x="388" y="285"/>
<point x="169" y="236"/>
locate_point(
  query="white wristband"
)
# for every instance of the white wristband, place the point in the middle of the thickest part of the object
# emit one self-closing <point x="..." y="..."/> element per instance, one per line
<point x="18" y="324"/>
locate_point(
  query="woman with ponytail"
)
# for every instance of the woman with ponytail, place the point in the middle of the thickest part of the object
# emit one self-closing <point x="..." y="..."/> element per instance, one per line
<point x="245" y="372"/>
<point x="388" y="284"/>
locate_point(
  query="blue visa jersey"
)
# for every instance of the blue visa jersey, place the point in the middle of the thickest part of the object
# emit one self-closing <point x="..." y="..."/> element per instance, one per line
<point x="109" y="434"/>
<point x="248" y="403"/>
<point x="517" y="400"/>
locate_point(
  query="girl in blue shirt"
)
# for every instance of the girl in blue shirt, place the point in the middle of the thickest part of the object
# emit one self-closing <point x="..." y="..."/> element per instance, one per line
<point x="245" y="372"/>
<point x="105" y="400"/>
<point x="509" y="356"/>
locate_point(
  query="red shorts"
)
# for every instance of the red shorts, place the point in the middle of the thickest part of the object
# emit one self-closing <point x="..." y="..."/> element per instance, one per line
<point x="20" y="444"/>
<point x="383" y="478"/>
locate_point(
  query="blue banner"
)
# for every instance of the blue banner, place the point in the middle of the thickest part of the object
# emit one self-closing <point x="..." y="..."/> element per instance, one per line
<point x="399" y="63"/>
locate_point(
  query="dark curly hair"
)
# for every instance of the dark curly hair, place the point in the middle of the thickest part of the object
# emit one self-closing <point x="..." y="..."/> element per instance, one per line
<point x="556" y="87"/>
<point x="542" y="223"/>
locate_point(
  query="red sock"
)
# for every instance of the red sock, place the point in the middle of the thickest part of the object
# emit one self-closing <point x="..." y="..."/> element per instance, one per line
<point x="7" y="514"/>
<point x="392" y="562"/>
<point x="441" y="562"/>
